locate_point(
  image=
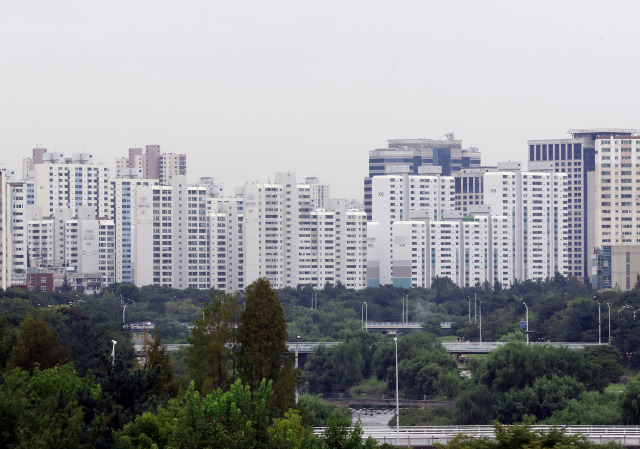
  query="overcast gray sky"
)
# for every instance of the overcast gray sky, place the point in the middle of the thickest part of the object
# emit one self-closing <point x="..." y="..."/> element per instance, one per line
<point x="248" y="88"/>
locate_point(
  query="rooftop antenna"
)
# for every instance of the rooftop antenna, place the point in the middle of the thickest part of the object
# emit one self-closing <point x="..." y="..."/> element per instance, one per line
<point x="450" y="136"/>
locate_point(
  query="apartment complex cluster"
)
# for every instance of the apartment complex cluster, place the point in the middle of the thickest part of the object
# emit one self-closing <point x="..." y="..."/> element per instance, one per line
<point x="67" y="223"/>
<point x="436" y="211"/>
<point x="431" y="209"/>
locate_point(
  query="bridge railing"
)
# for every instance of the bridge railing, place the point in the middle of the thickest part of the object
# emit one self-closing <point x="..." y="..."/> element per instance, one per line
<point x="429" y="435"/>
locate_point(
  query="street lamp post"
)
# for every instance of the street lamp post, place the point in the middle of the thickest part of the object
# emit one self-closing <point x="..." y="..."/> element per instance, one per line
<point x="113" y="352"/>
<point x="609" y="334"/>
<point x="297" y="341"/>
<point x="527" y="308"/>
<point x="599" y="325"/>
<point x="395" y="339"/>
<point x="629" y="354"/>
<point x="475" y="308"/>
<point x="403" y="308"/>
<point x="469" y="301"/>
<point x="480" y="321"/>
<point x="365" y="317"/>
<point x="124" y="309"/>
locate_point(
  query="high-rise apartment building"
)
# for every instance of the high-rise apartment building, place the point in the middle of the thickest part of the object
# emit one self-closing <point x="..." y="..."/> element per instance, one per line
<point x="401" y="198"/>
<point x="411" y="156"/>
<point x="574" y="156"/>
<point x="289" y="243"/>
<point x="153" y="236"/>
<point x="72" y="184"/>
<point x="153" y="164"/>
<point x="227" y="257"/>
<point x="617" y="212"/>
<point x="536" y="205"/>
<point x="123" y="215"/>
<point x="319" y="192"/>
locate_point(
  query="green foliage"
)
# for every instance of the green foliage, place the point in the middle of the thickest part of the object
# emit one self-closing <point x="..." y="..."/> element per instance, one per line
<point x="211" y="338"/>
<point x="518" y="382"/>
<point x="262" y="337"/>
<point x="591" y="408"/>
<point x="631" y="402"/>
<point x="37" y="345"/>
<point x="522" y="436"/>
<point x="317" y="411"/>
<point x="371" y="387"/>
<point x="157" y="358"/>
<point x="288" y="432"/>
<point x="8" y="339"/>
<point x="336" y="368"/>
<point x="338" y="435"/>
<point x="414" y="416"/>
<point x="232" y="419"/>
<point x="41" y="409"/>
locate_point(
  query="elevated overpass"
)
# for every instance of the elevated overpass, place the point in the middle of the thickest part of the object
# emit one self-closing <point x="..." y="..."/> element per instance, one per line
<point x="452" y="347"/>
<point x="474" y="347"/>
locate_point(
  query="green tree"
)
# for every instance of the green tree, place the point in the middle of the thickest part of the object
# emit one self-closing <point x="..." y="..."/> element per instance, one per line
<point x="522" y="436"/>
<point x="40" y="409"/>
<point x="288" y="432"/>
<point x="37" y="345"/>
<point x="262" y="337"/>
<point x="227" y="420"/>
<point x="8" y="339"/>
<point x="631" y="402"/>
<point x="157" y="358"/>
<point x="212" y="335"/>
<point x="592" y="408"/>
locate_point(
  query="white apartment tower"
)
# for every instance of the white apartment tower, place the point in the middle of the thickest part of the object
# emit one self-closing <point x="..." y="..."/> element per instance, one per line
<point x="617" y="211"/>
<point x="72" y="185"/>
<point x="274" y="215"/>
<point x="226" y="246"/>
<point x="289" y="243"/>
<point x="153" y="236"/>
<point x="536" y="204"/>
<point x="402" y="198"/>
<point x="123" y="214"/>
<point x="319" y="192"/>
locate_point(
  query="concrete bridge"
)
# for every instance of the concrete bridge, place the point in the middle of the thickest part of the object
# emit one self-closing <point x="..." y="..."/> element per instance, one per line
<point x="474" y="347"/>
<point x="452" y="347"/>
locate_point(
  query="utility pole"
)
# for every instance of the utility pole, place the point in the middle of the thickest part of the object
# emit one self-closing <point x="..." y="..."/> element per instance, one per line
<point x="480" y="321"/>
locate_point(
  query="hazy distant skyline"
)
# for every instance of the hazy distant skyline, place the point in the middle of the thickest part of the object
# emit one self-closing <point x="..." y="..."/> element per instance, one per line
<point x="249" y="88"/>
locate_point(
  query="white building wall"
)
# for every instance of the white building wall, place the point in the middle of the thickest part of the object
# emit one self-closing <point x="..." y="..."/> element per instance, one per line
<point x="409" y="246"/>
<point x="401" y="198"/>
<point x="444" y="240"/>
<point x="40" y="240"/>
<point x="536" y="204"/>
<point x="72" y="185"/>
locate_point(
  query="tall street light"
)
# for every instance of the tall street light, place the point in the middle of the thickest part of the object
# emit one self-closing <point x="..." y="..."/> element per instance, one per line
<point x="481" y="321"/>
<point x="599" y="321"/>
<point x="609" y="334"/>
<point x="364" y="311"/>
<point x="527" y="331"/>
<point x="395" y="339"/>
<point x="297" y="341"/>
<point x="113" y="352"/>
<point x="475" y="308"/>
<point x="469" y="301"/>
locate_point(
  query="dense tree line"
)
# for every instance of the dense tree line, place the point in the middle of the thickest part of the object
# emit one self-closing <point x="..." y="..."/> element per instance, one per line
<point x="242" y="337"/>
